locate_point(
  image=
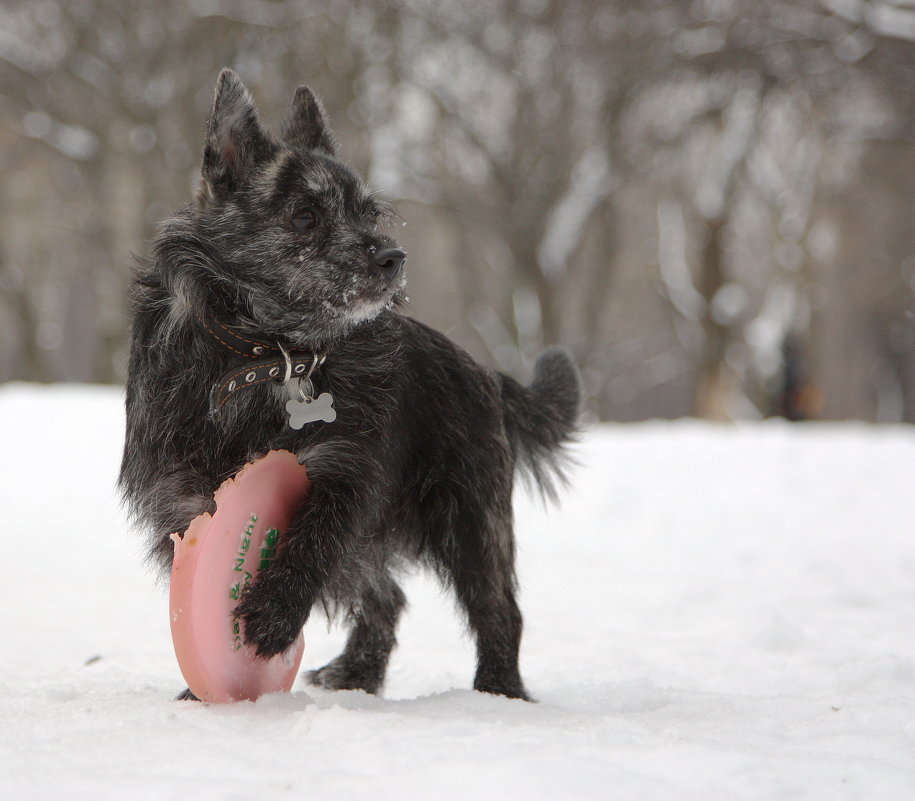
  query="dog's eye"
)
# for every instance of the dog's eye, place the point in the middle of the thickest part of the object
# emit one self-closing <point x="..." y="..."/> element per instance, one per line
<point x="304" y="220"/>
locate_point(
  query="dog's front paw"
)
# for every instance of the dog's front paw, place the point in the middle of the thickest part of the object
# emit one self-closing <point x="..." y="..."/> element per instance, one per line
<point x="267" y="624"/>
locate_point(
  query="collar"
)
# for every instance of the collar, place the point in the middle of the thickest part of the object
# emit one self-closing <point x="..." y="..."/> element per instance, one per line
<point x="263" y="361"/>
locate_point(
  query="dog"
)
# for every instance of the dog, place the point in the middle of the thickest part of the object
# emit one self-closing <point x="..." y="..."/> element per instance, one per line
<point x="276" y="289"/>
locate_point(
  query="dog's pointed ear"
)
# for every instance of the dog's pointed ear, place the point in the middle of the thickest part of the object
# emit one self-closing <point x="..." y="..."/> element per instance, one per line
<point x="234" y="136"/>
<point x="307" y="124"/>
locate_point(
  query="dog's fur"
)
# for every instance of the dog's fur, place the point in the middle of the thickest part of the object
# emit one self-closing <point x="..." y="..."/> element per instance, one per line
<point x="418" y="465"/>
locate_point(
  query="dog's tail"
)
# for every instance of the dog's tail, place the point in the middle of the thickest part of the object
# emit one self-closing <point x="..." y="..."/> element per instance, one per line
<point x="543" y="417"/>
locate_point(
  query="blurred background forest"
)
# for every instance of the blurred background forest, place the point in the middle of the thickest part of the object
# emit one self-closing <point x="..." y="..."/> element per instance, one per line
<point x="710" y="202"/>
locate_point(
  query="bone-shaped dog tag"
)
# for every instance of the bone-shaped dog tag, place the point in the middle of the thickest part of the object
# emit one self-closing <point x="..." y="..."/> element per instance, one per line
<point x="310" y="410"/>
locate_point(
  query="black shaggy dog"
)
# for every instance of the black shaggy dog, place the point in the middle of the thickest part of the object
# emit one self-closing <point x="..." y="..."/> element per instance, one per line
<point x="280" y="264"/>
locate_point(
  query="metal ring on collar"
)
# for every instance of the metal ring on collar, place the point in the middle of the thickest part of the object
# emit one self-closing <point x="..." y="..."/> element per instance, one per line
<point x="315" y="361"/>
<point x="288" y="361"/>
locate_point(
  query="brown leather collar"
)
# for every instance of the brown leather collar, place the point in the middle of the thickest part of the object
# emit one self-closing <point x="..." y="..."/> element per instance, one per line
<point x="263" y="362"/>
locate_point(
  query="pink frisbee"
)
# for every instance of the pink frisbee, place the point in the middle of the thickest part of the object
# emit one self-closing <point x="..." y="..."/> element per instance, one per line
<point x="214" y="561"/>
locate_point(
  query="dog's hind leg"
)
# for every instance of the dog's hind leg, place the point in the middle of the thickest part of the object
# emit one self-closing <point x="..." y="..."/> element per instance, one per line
<point x="364" y="660"/>
<point x="481" y="566"/>
<point x="495" y="619"/>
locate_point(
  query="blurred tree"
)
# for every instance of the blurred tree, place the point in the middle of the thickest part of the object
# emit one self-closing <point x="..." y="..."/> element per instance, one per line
<point x="674" y="189"/>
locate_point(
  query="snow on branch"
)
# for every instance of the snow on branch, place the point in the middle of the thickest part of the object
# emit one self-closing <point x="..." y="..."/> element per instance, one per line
<point x="591" y="182"/>
<point x="891" y="20"/>
<point x="895" y="18"/>
<point x="678" y="283"/>
<point x="739" y="128"/>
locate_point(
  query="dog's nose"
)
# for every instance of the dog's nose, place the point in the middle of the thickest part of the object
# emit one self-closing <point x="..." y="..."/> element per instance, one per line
<point x="390" y="260"/>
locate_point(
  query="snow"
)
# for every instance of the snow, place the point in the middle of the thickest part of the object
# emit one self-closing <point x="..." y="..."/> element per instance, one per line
<point x="714" y="612"/>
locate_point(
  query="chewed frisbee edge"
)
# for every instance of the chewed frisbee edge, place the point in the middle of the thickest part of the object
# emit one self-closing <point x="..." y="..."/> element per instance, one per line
<point x="214" y="560"/>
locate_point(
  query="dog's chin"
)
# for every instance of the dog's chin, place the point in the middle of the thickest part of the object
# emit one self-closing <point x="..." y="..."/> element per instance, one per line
<point x="368" y="309"/>
<point x="361" y="307"/>
<point x="321" y="327"/>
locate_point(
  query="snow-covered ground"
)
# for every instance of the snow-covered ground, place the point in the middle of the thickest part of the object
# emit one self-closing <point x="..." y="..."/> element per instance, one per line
<point x="713" y="613"/>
